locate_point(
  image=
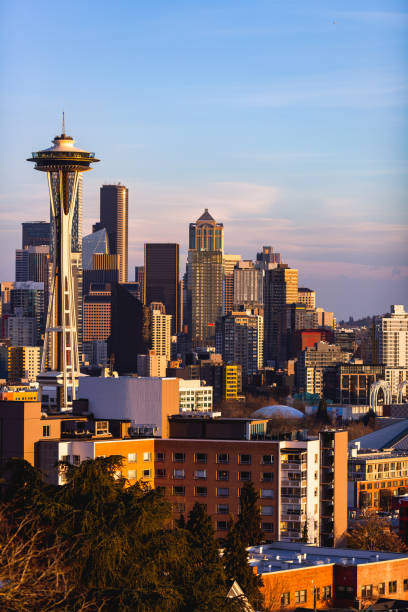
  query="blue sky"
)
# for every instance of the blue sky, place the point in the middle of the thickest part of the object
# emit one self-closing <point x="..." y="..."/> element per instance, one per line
<point x="287" y="119"/>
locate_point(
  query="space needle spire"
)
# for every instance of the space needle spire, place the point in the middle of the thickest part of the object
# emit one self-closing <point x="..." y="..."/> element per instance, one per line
<point x="63" y="163"/>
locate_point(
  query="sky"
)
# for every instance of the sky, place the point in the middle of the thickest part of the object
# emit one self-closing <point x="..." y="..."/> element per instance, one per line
<point x="287" y="119"/>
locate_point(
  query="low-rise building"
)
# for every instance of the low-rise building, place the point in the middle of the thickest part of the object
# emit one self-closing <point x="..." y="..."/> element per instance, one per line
<point x="297" y="575"/>
<point x="375" y="477"/>
<point x="195" y="395"/>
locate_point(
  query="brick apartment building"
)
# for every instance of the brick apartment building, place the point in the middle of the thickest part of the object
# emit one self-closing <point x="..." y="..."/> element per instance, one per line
<point x="296" y="575"/>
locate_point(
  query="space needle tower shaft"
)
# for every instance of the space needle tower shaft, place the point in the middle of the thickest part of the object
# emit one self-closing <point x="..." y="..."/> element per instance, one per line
<point x="60" y="360"/>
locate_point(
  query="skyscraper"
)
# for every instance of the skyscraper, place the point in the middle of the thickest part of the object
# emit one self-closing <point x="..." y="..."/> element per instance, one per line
<point x="162" y="279"/>
<point x="392" y="336"/>
<point x="229" y="263"/>
<point x="36" y="233"/>
<point x="130" y="330"/>
<point x="205" y="277"/>
<point x="248" y="285"/>
<point x="114" y="218"/>
<point x="239" y="339"/>
<point x="161" y="329"/>
<point x="63" y="163"/>
<point x="32" y="264"/>
<point x="280" y="289"/>
<point x="97" y="242"/>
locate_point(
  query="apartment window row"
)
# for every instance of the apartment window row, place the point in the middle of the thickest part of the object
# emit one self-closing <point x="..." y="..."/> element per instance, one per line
<point x="301" y="595"/>
<point x="367" y="589"/>
<point x="222" y="458"/>
<point x="132" y="457"/>
<point x="132" y="474"/>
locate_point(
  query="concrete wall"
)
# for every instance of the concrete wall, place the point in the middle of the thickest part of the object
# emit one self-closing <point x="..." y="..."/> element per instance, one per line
<point x="142" y="400"/>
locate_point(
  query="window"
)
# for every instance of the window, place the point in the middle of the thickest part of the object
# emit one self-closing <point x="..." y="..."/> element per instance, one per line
<point x="300" y="596"/>
<point x="267" y="493"/>
<point x="267" y="459"/>
<point x="179" y="490"/>
<point x="392" y="586"/>
<point x="381" y="588"/>
<point x="200" y="474"/>
<point x="200" y="457"/>
<point x="222" y="458"/>
<point x="222" y="475"/>
<point x="147" y="473"/>
<point x="178" y="473"/>
<point x="222" y="492"/>
<point x="132" y="474"/>
<point x="367" y="591"/>
<point x="267" y="526"/>
<point x="101" y="428"/>
<point x="76" y="460"/>
<point x="244" y="459"/>
<point x="179" y="457"/>
<point x="327" y="591"/>
<point x="147" y="456"/>
<point x="65" y="458"/>
<point x="179" y="507"/>
<point x="267" y="476"/>
<point x="46" y="431"/>
<point x="285" y="599"/>
<point x="201" y="491"/>
<point x="317" y="593"/>
<point x="160" y="456"/>
<point x="222" y="525"/>
<point x="405" y="584"/>
<point x="245" y="475"/>
<point x="160" y="473"/>
<point x="132" y="458"/>
<point x="267" y="510"/>
<point x="222" y="509"/>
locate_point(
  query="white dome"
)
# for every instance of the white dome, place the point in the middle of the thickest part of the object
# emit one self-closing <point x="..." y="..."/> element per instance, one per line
<point x="278" y="411"/>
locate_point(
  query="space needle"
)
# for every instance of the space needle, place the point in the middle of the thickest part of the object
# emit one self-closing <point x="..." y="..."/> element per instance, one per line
<point x="63" y="163"/>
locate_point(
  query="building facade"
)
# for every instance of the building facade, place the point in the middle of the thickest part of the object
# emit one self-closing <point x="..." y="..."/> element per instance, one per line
<point x="114" y="218"/>
<point x="161" y="280"/>
<point x="392" y="337"/>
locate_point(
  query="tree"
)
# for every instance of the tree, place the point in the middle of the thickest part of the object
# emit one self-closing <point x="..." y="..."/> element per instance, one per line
<point x="203" y="578"/>
<point x="305" y="535"/>
<point x="237" y="568"/>
<point x="373" y="533"/>
<point x="249" y="517"/>
<point x="322" y="414"/>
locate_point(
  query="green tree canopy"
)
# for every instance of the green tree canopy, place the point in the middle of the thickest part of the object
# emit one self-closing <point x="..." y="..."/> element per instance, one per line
<point x="249" y="517"/>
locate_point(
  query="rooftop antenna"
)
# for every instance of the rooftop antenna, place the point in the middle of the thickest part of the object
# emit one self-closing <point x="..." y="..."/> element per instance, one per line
<point x="63" y="123"/>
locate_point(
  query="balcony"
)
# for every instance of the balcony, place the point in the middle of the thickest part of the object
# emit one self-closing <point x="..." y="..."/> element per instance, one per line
<point x="291" y="500"/>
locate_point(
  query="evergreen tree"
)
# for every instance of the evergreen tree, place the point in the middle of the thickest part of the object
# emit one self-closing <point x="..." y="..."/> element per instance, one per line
<point x="204" y="581"/>
<point x="237" y="568"/>
<point x="305" y="535"/>
<point x="322" y="414"/>
<point x="249" y="517"/>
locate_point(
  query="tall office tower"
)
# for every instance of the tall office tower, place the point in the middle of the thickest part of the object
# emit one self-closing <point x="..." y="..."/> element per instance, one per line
<point x="280" y="289"/>
<point x="32" y="264"/>
<point x="205" y="277"/>
<point x="229" y="263"/>
<point x="27" y="300"/>
<point x="36" y="233"/>
<point x="130" y="330"/>
<point x="105" y="269"/>
<point x="139" y="279"/>
<point x="24" y="362"/>
<point x="307" y="297"/>
<point x="97" y="242"/>
<point x="248" y="285"/>
<point x="267" y="259"/>
<point x="391" y="331"/>
<point x="152" y="364"/>
<point x="239" y="339"/>
<point x="5" y="289"/>
<point x="21" y="331"/>
<point x="162" y="279"/>
<point x="161" y="330"/>
<point x="63" y="164"/>
<point x="114" y="218"/>
<point x="97" y="313"/>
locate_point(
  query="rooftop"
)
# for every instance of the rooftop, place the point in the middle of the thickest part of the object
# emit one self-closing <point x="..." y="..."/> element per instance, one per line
<point x="282" y="556"/>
